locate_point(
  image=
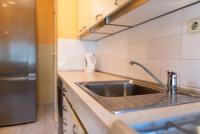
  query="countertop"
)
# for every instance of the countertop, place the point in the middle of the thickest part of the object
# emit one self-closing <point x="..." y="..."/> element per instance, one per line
<point x="130" y="118"/>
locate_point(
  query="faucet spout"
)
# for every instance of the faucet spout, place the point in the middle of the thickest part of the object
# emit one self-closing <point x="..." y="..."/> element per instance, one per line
<point x="171" y="82"/>
<point x="149" y="72"/>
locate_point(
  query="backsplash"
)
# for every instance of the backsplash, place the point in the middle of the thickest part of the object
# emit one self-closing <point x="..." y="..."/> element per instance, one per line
<point x="161" y="44"/>
<point x="71" y="53"/>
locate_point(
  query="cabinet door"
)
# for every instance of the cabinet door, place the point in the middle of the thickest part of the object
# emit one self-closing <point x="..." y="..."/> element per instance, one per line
<point x="121" y="2"/>
<point x="76" y="128"/>
<point x="73" y="125"/>
<point x="84" y="7"/>
<point x="111" y="5"/>
<point x="97" y="10"/>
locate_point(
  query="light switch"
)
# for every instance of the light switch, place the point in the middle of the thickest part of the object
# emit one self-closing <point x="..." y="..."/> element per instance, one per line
<point x="194" y="26"/>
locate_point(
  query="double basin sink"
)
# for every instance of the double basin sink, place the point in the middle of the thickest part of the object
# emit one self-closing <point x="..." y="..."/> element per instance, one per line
<point x="131" y="95"/>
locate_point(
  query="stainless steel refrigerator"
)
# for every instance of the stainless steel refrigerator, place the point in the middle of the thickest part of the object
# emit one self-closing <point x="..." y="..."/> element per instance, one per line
<point x="17" y="62"/>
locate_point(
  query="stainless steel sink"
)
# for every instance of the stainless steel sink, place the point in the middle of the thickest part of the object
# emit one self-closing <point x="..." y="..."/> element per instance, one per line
<point x="132" y="95"/>
<point x="119" y="89"/>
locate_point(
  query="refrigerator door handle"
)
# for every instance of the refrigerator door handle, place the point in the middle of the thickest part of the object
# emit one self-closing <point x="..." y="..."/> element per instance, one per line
<point x="30" y="77"/>
<point x="21" y="78"/>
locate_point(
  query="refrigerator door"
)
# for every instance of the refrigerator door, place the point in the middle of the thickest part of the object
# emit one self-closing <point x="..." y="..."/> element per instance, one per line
<point x="17" y="62"/>
<point x="17" y="37"/>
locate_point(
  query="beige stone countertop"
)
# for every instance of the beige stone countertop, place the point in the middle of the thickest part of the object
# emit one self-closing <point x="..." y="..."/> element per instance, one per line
<point x="70" y="77"/>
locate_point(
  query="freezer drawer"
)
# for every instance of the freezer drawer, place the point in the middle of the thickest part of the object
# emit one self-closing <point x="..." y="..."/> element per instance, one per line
<point x="17" y="102"/>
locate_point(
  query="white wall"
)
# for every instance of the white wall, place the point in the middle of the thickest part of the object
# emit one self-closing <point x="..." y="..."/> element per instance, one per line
<point x="162" y="44"/>
<point x="71" y="53"/>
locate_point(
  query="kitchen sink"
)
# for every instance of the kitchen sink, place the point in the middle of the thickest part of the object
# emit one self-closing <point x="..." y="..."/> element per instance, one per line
<point x="119" y="89"/>
<point x="133" y="95"/>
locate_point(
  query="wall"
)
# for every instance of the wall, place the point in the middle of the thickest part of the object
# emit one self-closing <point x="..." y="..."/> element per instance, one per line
<point x="161" y="44"/>
<point x="45" y="48"/>
<point x="67" y="19"/>
<point x="71" y="53"/>
<point x="70" y="49"/>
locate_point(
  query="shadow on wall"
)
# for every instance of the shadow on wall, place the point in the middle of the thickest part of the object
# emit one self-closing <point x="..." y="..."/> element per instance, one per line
<point x="45" y="49"/>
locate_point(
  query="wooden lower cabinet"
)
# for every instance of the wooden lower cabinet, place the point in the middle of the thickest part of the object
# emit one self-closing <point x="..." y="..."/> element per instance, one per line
<point x="71" y="123"/>
<point x="77" y="117"/>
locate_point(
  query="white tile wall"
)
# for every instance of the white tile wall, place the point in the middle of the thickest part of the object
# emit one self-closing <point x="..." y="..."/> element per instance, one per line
<point x="145" y="50"/>
<point x="172" y="23"/>
<point x="71" y="53"/>
<point x="162" y="44"/>
<point x="147" y="31"/>
<point x="190" y="73"/>
<point x="190" y="46"/>
<point x="170" y="47"/>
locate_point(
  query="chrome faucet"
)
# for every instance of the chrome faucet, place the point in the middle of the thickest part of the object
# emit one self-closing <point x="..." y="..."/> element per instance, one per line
<point x="150" y="73"/>
<point x="172" y="86"/>
<point x="171" y="82"/>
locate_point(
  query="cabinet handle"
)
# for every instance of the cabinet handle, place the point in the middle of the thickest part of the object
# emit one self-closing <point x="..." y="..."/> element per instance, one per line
<point x="64" y="118"/>
<point x="65" y="124"/>
<point x="99" y="15"/>
<point x="74" y="127"/>
<point x="64" y="90"/>
<point x="64" y="109"/>
<point x="116" y="2"/>
<point x="84" y="27"/>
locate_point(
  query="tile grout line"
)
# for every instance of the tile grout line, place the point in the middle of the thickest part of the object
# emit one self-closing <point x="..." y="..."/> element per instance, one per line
<point x="180" y="62"/>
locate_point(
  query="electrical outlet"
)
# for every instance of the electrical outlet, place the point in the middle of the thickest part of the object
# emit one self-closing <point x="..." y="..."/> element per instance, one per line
<point x="194" y="26"/>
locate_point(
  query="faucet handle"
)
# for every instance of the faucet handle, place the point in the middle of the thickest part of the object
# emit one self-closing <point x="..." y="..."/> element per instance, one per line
<point x="172" y="76"/>
<point x="171" y="72"/>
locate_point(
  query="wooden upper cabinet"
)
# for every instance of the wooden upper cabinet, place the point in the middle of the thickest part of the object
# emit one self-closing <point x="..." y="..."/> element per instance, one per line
<point x="97" y="11"/>
<point x="112" y="5"/>
<point x="102" y="8"/>
<point x="109" y="6"/>
<point x="84" y="12"/>
<point x="92" y="11"/>
<point x="121" y="2"/>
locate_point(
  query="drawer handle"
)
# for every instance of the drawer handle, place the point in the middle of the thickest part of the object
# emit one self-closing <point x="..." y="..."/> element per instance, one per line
<point x="64" y="123"/>
<point x="116" y="2"/>
<point x="74" y="127"/>
<point x="84" y="27"/>
<point x="64" y="90"/>
<point x="64" y="118"/>
<point x="80" y="30"/>
<point x="64" y="109"/>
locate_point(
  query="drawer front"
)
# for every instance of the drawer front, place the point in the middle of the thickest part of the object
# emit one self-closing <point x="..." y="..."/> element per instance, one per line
<point x="71" y="124"/>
